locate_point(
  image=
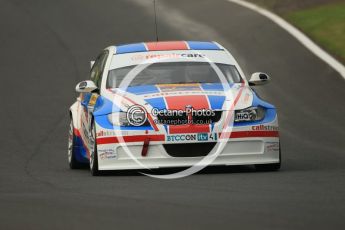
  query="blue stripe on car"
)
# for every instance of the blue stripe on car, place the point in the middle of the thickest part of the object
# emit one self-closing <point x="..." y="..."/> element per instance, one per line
<point x="104" y="106"/>
<point x="140" y="47"/>
<point x="257" y="101"/>
<point x="195" y="45"/>
<point x="215" y="87"/>
<point x="131" y="48"/>
<point x="212" y="87"/>
<point x="142" y="89"/>
<point x="270" y="115"/>
<point x="158" y="103"/>
<point x="216" y="102"/>
<point x="104" y="122"/>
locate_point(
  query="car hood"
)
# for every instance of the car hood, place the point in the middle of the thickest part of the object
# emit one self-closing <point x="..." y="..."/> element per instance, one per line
<point x="213" y="96"/>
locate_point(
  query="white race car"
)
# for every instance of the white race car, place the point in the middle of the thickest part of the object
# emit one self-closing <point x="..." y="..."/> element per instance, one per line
<point x="171" y="104"/>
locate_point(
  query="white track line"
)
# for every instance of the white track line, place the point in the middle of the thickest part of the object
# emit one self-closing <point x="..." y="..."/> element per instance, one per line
<point x="309" y="44"/>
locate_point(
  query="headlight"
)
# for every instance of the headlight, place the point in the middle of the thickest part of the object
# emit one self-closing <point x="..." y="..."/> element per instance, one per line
<point x="119" y="119"/>
<point x="250" y="114"/>
<point x="135" y="116"/>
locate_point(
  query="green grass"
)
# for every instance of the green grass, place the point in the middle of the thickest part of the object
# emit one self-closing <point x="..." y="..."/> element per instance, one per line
<point x="324" y="24"/>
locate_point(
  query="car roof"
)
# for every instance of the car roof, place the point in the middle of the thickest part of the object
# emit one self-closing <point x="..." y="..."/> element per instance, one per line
<point x="166" y="46"/>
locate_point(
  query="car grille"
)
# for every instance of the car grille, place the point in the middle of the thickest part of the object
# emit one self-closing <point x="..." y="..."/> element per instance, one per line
<point x="183" y="119"/>
<point x="189" y="150"/>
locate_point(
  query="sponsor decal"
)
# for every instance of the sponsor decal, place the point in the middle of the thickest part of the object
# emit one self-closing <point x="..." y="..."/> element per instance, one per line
<point x="272" y="146"/>
<point x="179" y="87"/>
<point x="202" y="136"/>
<point x="192" y="137"/>
<point x="193" y="55"/>
<point x="178" y="92"/>
<point x="93" y="99"/>
<point x="213" y="136"/>
<point x="141" y="57"/>
<point x="243" y="116"/>
<point x="107" y="154"/>
<point x="249" y="114"/>
<point x="182" y="137"/>
<point x="265" y="128"/>
<point x="105" y="133"/>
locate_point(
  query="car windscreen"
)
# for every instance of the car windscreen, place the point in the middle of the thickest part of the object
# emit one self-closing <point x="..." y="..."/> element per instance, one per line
<point x="173" y="73"/>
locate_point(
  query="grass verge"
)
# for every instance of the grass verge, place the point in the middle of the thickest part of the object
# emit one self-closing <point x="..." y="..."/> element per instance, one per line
<point x="322" y="20"/>
<point x="325" y="25"/>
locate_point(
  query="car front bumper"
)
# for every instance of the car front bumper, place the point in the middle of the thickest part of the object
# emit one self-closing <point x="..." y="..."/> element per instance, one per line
<point x="236" y="151"/>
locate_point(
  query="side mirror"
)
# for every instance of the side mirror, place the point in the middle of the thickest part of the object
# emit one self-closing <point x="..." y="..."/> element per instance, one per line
<point x="259" y="79"/>
<point x="85" y="87"/>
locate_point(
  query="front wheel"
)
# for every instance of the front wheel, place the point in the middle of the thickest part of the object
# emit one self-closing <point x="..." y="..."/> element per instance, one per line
<point x="93" y="153"/>
<point x="72" y="161"/>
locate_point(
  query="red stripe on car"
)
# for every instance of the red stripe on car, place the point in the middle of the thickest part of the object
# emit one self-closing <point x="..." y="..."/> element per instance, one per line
<point x="245" y="134"/>
<point x="137" y="138"/>
<point x="198" y="102"/>
<point x="160" y="46"/>
<point x="142" y="138"/>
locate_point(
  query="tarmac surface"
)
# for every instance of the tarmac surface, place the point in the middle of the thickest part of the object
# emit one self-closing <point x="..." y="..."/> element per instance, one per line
<point x="46" y="47"/>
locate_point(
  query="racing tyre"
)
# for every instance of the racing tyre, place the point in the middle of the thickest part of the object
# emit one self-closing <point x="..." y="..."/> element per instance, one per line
<point x="93" y="153"/>
<point x="270" y="167"/>
<point x="72" y="161"/>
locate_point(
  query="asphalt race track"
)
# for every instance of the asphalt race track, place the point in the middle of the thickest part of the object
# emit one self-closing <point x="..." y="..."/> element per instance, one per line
<point x="45" y="49"/>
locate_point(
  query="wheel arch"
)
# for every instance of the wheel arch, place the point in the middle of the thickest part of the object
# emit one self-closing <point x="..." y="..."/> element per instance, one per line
<point x="73" y="113"/>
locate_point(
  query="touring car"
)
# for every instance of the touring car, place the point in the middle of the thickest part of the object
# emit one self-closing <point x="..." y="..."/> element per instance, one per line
<point x="171" y="104"/>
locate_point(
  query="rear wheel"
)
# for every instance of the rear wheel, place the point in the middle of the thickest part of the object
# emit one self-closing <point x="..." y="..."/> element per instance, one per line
<point x="72" y="161"/>
<point x="270" y="167"/>
<point x="93" y="153"/>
